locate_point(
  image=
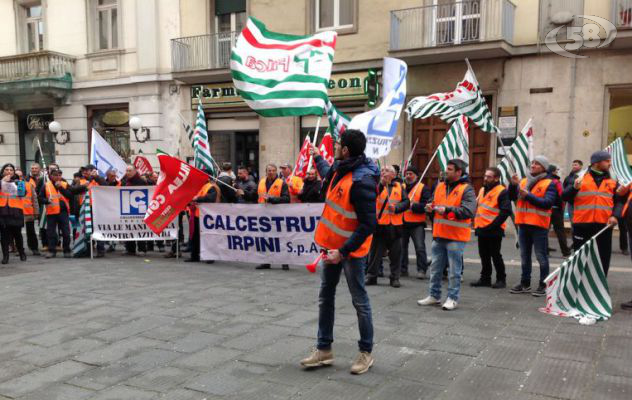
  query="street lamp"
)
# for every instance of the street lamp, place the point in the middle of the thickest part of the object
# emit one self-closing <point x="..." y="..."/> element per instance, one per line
<point x="137" y="125"/>
<point x="61" y="136"/>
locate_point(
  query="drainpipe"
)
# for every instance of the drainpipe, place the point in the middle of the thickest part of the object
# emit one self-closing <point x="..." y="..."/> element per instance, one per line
<point x="571" y="111"/>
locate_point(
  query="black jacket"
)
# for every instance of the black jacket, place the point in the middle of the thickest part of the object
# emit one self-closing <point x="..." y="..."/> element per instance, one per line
<point x="285" y="193"/>
<point x="504" y="206"/>
<point x="365" y="176"/>
<point x="228" y="194"/>
<point x="250" y="190"/>
<point x="311" y="192"/>
<point x="135" y="180"/>
<point x="418" y="207"/>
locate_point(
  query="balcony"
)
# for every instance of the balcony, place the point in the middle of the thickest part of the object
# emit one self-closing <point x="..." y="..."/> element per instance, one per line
<point x="452" y="31"/>
<point x="33" y="80"/>
<point x="204" y="57"/>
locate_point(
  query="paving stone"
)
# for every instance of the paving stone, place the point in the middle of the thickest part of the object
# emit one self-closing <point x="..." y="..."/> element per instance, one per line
<point x="257" y="338"/>
<point x="177" y="329"/>
<point x="119" y="350"/>
<point x="619" y="346"/>
<point x="46" y="356"/>
<point x="578" y="348"/>
<point x="509" y="353"/>
<point x="534" y="333"/>
<point x="124" y="393"/>
<point x="606" y="387"/>
<point x="60" y="391"/>
<point x="615" y="366"/>
<point x="161" y="379"/>
<point x="469" y="346"/>
<point x="558" y="378"/>
<point x="207" y="359"/>
<point x="37" y="379"/>
<point x="13" y="368"/>
<point x="290" y="349"/>
<point x="185" y="394"/>
<point x="14" y="350"/>
<point x="132" y="328"/>
<point x="434" y="367"/>
<point x="62" y="335"/>
<point x="485" y="383"/>
<point x="335" y="390"/>
<point x="477" y="329"/>
<point x="405" y="389"/>
<point x="232" y="380"/>
<point x="298" y="318"/>
<point x="195" y="341"/>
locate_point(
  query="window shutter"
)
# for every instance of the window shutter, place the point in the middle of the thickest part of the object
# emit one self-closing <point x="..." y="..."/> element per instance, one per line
<point x="229" y="6"/>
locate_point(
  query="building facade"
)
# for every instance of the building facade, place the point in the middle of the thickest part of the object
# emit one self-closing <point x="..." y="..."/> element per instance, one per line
<point x="98" y="62"/>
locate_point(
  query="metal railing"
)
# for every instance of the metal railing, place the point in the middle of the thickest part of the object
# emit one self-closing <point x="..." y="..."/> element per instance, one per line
<point x="452" y="23"/>
<point x="41" y="64"/>
<point x="202" y="52"/>
<point x="622" y="13"/>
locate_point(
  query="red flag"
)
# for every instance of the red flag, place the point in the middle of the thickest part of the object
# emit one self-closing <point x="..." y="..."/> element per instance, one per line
<point x="327" y="148"/>
<point x="177" y="185"/>
<point x="142" y="165"/>
<point x="300" y="168"/>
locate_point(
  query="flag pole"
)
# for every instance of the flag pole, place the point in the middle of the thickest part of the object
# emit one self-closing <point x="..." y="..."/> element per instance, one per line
<point x="222" y="182"/>
<point x="311" y="158"/>
<point x="429" y="163"/>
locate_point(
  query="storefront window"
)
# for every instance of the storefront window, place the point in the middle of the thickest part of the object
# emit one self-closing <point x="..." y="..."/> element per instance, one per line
<point x="37" y="143"/>
<point x="113" y="125"/>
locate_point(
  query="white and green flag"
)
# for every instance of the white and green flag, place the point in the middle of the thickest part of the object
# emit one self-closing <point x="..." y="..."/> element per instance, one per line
<point x="338" y="121"/>
<point x="519" y="155"/>
<point x="81" y="245"/>
<point x="467" y="99"/>
<point x="620" y="165"/>
<point x="455" y="144"/>
<point x="201" y="145"/>
<point x="579" y="288"/>
<point x="281" y="75"/>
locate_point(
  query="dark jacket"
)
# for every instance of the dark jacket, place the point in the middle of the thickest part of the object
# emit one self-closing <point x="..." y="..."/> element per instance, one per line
<point x="365" y="176"/>
<point x="418" y="207"/>
<point x="12" y="216"/>
<point x="228" y="194"/>
<point x="250" y="190"/>
<point x="570" y="192"/>
<point x="467" y="209"/>
<point x="68" y="193"/>
<point x="547" y="202"/>
<point x="311" y="192"/>
<point x="285" y="193"/>
<point x="569" y="180"/>
<point x="504" y="205"/>
<point x="210" y="196"/>
<point x="135" y="180"/>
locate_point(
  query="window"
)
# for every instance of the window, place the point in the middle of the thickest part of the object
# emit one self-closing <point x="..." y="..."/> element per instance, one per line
<point x="105" y="24"/>
<point x="334" y="14"/>
<point x="230" y="19"/>
<point x="34" y="28"/>
<point x="456" y="22"/>
<point x="112" y="123"/>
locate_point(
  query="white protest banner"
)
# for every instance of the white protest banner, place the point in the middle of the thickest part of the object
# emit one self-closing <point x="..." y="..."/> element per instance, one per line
<point x="259" y="233"/>
<point x="118" y="212"/>
<point x="104" y="157"/>
<point x="380" y="125"/>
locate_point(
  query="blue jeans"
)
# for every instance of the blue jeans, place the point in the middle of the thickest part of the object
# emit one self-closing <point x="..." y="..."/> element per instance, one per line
<point x="330" y="276"/>
<point x="529" y="237"/>
<point x="444" y="250"/>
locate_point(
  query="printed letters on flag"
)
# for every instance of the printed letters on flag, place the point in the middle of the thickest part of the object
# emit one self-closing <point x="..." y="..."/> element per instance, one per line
<point x="103" y="156"/>
<point x="177" y="185"/>
<point x="142" y="165"/>
<point x="380" y="125"/>
<point x="466" y="99"/>
<point x="327" y="148"/>
<point x="282" y="75"/>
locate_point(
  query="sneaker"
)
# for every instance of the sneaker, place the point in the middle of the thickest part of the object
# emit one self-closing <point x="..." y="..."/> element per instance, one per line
<point x="499" y="285"/>
<point x="362" y="363"/>
<point x="395" y="283"/>
<point x="263" y="266"/>
<point x="428" y="301"/>
<point x="318" y="358"/>
<point x="449" y="304"/>
<point x="520" y="288"/>
<point x="481" y="283"/>
<point x="540" y="291"/>
<point x="421" y="275"/>
<point x="627" y="306"/>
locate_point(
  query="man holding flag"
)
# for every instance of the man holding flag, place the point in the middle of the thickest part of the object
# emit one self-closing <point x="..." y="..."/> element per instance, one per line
<point x="595" y="205"/>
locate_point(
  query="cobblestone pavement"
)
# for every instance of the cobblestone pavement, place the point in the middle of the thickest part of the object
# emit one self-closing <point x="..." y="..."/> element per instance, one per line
<point x="149" y="328"/>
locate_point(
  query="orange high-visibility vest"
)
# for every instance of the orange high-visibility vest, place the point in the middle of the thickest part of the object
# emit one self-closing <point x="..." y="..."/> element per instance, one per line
<point x="451" y="229"/>
<point x="82" y="182"/>
<point x="389" y="217"/>
<point x="527" y="213"/>
<point x="203" y="192"/>
<point x="339" y="220"/>
<point x="594" y="204"/>
<point x="54" y="197"/>
<point x="627" y="204"/>
<point x="27" y="200"/>
<point x="414" y="196"/>
<point x="488" y="209"/>
<point x="294" y="185"/>
<point x="275" y="189"/>
<point x="12" y="200"/>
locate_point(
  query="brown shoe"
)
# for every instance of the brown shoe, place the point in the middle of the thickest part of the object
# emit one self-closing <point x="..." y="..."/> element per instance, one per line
<point x="318" y="358"/>
<point x="363" y="362"/>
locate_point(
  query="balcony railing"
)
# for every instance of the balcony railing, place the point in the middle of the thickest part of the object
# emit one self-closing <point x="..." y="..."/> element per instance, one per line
<point x="41" y="64"/>
<point x="202" y="52"/>
<point x="451" y="24"/>
<point x="622" y="10"/>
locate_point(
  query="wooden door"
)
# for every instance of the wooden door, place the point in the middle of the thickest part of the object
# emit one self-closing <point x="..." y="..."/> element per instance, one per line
<point x="431" y="131"/>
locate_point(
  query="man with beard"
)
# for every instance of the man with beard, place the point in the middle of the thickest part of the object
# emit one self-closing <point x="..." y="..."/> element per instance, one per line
<point x="246" y="187"/>
<point x="344" y="234"/>
<point x="310" y="193"/>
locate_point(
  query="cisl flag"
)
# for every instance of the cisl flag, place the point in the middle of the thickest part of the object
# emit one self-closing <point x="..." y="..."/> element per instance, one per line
<point x="327" y="148"/>
<point x="300" y="168"/>
<point x="142" y="165"/>
<point x="177" y="185"/>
